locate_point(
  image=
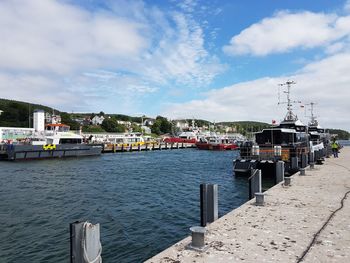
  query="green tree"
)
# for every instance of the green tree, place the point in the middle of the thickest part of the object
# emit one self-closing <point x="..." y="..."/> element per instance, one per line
<point x="111" y="125"/>
<point x="161" y="126"/>
<point x="93" y="128"/>
<point x="66" y="119"/>
<point x="135" y="128"/>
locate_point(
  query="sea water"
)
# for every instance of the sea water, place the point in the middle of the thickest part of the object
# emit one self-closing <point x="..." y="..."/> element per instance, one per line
<point x="144" y="201"/>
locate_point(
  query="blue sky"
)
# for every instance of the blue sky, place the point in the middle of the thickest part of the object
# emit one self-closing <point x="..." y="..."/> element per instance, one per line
<point x="216" y="60"/>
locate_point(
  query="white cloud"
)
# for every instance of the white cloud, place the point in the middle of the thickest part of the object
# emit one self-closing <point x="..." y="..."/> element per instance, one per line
<point x="69" y="46"/>
<point x="286" y="31"/>
<point x="325" y="82"/>
<point x="59" y="38"/>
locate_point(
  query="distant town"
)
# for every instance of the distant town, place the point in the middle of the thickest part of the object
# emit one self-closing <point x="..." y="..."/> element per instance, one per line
<point x="18" y="114"/>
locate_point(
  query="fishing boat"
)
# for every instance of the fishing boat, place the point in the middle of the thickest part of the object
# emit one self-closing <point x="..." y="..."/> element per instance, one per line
<point x="215" y="142"/>
<point x="183" y="137"/>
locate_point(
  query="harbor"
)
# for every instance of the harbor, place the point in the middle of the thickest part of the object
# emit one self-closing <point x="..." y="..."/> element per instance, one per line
<point x="188" y="131"/>
<point x="307" y="221"/>
<point x="145" y="201"/>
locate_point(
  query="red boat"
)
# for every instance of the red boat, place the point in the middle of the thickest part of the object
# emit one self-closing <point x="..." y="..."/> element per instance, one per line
<point x="184" y="137"/>
<point x="216" y="143"/>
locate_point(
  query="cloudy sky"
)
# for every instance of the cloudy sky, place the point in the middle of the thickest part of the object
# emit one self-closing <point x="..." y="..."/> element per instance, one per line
<point x="219" y="60"/>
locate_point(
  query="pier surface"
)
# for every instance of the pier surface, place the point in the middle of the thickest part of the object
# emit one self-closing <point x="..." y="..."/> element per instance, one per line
<point x="292" y="223"/>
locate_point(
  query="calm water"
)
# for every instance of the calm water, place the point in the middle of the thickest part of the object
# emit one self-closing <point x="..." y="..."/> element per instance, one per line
<point x="144" y="201"/>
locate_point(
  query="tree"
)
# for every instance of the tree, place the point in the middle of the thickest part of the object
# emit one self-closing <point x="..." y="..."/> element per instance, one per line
<point x="135" y="128"/>
<point x="111" y="125"/>
<point x="66" y="119"/>
<point x="161" y="126"/>
<point x="93" y="128"/>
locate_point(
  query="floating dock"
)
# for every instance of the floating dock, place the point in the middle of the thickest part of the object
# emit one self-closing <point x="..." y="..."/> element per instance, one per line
<point x="110" y="148"/>
<point x="308" y="221"/>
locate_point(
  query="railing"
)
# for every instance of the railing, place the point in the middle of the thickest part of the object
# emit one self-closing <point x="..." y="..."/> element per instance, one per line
<point x="268" y="152"/>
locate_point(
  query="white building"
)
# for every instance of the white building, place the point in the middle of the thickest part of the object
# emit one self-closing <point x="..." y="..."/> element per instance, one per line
<point x="182" y="125"/>
<point x="97" y="120"/>
<point x="52" y="118"/>
<point x="1" y="112"/>
<point x="146" y="129"/>
<point x="126" y="123"/>
<point x="148" y="122"/>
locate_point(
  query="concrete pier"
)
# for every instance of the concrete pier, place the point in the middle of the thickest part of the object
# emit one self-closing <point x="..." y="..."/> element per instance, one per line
<point x="302" y="223"/>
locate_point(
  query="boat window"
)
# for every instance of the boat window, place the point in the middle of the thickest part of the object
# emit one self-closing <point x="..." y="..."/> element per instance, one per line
<point x="49" y="141"/>
<point x="70" y="140"/>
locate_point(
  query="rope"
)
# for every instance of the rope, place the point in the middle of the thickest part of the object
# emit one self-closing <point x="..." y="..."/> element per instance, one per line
<point x="98" y="258"/>
<point x="326" y="223"/>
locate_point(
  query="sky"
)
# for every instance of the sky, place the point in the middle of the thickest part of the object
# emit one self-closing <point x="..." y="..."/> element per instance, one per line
<point x="219" y="60"/>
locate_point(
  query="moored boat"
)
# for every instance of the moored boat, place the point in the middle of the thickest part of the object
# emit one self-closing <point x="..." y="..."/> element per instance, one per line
<point x="56" y="141"/>
<point x="219" y="143"/>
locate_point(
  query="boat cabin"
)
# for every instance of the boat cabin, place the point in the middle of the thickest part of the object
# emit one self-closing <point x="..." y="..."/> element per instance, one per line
<point x="280" y="136"/>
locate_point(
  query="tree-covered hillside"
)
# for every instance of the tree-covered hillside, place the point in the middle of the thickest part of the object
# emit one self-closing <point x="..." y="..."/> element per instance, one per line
<point x="17" y="113"/>
<point x="341" y="134"/>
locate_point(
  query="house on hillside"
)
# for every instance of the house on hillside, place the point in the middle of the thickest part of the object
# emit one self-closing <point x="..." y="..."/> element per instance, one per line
<point x="182" y="125"/>
<point x="125" y="123"/>
<point x="148" y="122"/>
<point x="146" y="129"/>
<point x="1" y="112"/>
<point x="97" y="120"/>
<point x="52" y="118"/>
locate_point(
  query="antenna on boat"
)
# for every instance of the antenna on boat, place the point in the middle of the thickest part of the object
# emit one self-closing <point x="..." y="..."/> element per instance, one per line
<point x="312" y="117"/>
<point x="290" y="115"/>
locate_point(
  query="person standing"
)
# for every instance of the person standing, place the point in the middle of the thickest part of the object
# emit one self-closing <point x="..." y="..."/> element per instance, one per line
<point x="335" y="148"/>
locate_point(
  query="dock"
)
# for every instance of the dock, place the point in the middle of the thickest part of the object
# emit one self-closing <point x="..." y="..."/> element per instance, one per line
<point x="308" y="221"/>
<point x="110" y="148"/>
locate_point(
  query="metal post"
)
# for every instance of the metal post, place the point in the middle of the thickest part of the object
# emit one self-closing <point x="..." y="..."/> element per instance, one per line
<point x="212" y="203"/>
<point x="255" y="184"/>
<point x="279" y="171"/>
<point x="203" y="204"/>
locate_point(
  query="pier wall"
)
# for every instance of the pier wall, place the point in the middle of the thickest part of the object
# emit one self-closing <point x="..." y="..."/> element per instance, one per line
<point x="308" y="220"/>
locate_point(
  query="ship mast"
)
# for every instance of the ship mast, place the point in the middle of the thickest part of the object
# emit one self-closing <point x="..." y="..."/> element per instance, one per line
<point x="290" y="115"/>
<point x="313" y="117"/>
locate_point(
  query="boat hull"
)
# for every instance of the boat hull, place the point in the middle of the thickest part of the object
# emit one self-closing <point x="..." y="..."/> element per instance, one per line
<point x="216" y="146"/>
<point x="27" y="152"/>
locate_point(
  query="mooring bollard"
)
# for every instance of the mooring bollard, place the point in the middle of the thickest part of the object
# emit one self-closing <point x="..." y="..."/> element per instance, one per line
<point x="85" y="245"/>
<point x="302" y="171"/>
<point x="312" y="166"/>
<point x="287" y="181"/>
<point x="198" y="236"/>
<point x="259" y="199"/>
